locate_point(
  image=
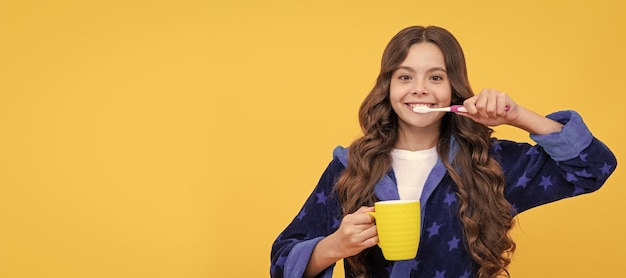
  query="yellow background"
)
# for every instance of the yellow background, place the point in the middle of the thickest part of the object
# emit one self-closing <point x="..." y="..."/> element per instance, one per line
<point x="178" y="138"/>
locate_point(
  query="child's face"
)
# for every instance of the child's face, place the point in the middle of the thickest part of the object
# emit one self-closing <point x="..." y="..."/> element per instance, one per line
<point x="420" y="79"/>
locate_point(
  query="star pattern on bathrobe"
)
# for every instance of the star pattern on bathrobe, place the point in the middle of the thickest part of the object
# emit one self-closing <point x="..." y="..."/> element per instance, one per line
<point x="433" y="230"/>
<point x="453" y="243"/>
<point x="545" y="182"/>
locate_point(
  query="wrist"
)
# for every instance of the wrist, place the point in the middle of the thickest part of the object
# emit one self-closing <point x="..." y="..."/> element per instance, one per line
<point x="324" y="255"/>
<point x="331" y="248"/>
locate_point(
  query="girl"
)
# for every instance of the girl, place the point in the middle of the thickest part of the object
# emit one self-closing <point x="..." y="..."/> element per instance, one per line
<point x="470" y="185"/>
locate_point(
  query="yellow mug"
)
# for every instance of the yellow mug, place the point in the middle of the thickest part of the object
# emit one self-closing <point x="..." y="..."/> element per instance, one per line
<point x="398" y="226"/>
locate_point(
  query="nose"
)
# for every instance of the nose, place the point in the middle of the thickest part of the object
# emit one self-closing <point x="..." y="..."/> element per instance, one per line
<point x="419" y="88"/>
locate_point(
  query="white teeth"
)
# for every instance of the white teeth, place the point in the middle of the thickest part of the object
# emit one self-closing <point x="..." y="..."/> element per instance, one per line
<point x="420" y="104"/>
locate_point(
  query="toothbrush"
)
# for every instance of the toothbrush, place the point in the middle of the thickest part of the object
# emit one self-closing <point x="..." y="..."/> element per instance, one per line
<point x="453" y="108"/>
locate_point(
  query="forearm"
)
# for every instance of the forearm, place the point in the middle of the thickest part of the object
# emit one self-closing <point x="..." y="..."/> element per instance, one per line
<point x="323" y="256"/>
<point x="535" y="123"/>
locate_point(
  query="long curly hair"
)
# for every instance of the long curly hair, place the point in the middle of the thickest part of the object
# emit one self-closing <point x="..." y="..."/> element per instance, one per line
<point x="485" y="214"/>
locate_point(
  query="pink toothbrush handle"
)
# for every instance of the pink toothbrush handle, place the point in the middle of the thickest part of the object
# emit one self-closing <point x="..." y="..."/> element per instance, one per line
<point x="457" y="108"/>
<point x="461" y="108"/>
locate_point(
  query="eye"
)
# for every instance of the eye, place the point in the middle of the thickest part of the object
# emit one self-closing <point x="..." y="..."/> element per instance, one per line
<point x="437" y="78"/>
<point x="404" y="77"/>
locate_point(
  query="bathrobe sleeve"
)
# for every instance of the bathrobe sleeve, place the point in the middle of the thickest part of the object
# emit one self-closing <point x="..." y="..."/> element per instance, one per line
<point x="319" y="217"/>
<point x="562" y="164"/>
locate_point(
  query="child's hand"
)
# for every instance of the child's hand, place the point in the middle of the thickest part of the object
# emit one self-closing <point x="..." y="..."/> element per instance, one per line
<point x="356" y="233"/>
<point x="491" y="108"/>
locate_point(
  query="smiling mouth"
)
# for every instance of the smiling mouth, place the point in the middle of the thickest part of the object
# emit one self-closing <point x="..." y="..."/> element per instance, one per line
<point x="429" y="105"/>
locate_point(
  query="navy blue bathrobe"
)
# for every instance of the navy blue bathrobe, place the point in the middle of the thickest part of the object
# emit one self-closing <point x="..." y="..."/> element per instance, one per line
<point x="562" y="164"/>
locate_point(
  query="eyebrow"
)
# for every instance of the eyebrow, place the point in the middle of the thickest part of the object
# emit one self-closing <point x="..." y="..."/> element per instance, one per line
<point x="429" y="70"/>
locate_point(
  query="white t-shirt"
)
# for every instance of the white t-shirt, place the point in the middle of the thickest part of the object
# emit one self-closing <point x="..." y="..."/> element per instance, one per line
<point x="411" y="169"/>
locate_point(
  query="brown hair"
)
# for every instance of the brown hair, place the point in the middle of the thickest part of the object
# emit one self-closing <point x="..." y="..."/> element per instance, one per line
<point x="484" y="212"/>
